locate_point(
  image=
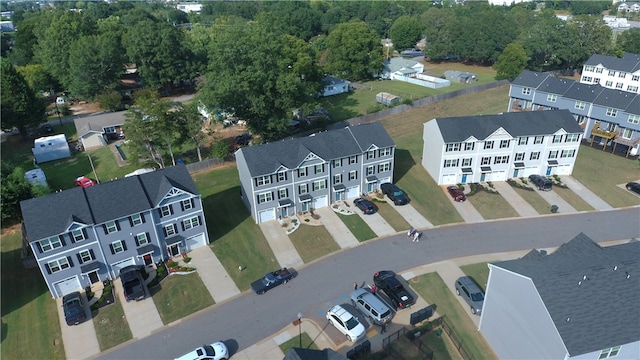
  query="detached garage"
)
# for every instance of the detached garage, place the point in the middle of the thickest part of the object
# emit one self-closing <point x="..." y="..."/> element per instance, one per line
<point x="67" y="286"/>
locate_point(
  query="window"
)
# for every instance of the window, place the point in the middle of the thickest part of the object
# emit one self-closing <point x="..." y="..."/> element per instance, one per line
<point x="634" y="119"/>
<point x="552" y="97"/>
<point x="112" y="227"/>
<point x="320" y="184"/>
<point x="337" y="163"/>
<point x="142" y="239"/>
<point x="501" y="159"/>
<point x="519" y="156"/>
<point x="170" y="230"/>
<point x="635" y="77"/>
<point x="488" y="145"/>
<point x="626" y="133"/>
<point x="609" y="83"/>
<point x="451" y="163"/>
<point x="282" y="176"/>
<point x="371" y="170"/>
<point x="469" y="146"/>
<point x="353" y="175"/>
<point x="523" y="140"/>
<point x="632" y="88"/>
<point x="557" y="139"/>
<point x="572" y="138"/>
<point x="612" y="73"/>
<point x="599" y="70"/>
<point x="453" y="147"/>
<point x="538" y="139"/>
<point x="303" y="189"/>
<point x="191" y="223"/>
<point x="265" y="197"/>
<point x="136" y="219"/>
<point x="619" y="85"/>
<point x="580" y="105"/>
<point x="466" y="162"/>
<point x="581" y="119"/>
<point x="568" y="153"/>
<point x="337" y="179"/>
<point x="526" y="91"/>
<point x="587" y="79"/>
<point x="607" y="353"/>
<point x="371" y="154"/>
<point x="59" y="264"/>
<point x="318" y="169"/>
<point x="283" y="193"/>
<point x="588" y="68"/>
<point x="77" y="235"/>
<point x="535" y="155"/>
<point x="165" y="211"/>
<point x="84" y="256"/>
<point x="622" y="74"/>
<point x="186" y="204"/>
<point x="612" y="112"/>
<point x="504" y="144"/>
<point x="302" y="171"/>
<point x="384" y="152"/>
<point x="51" y="243"/>
<point x="263" y="180"/>
<point x="353" y="159"/>
<point x="486" y="160"/>
<point x="118" y="247"/>
<point x="553" y="154"/>
<point x="384" y="167"/>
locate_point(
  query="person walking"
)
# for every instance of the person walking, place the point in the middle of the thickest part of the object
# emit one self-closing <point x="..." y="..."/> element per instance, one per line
<point x="416" y="236"/>
<point x="383" y="326"/>
<point x="411" y="232"/>
<point x="355" y="285"/>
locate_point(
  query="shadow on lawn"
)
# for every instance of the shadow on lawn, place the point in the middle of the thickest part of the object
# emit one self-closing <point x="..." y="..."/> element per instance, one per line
<point x="226" y="210"/>
<point x="19" y="285"/>
<point x="403" y="162"/>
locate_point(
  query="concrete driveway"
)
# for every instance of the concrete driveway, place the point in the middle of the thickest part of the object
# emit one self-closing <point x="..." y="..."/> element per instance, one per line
<point x="142" y="316"/>
<point x="520" y="205"/>
<point x="280" y="244"/>
<point x="466" y="210"/>
<point x="213" y="274"/>
<point x="554" y="199"/>
<point x="413" y="217"/>
<point x="377" y="223"/>
<point x="336" y="228"/>
<point x="80" y="341"/>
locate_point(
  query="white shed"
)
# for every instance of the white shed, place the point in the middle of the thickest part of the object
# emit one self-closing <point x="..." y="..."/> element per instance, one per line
<point x="36" y="177"/>
<point x="51" y="148"/>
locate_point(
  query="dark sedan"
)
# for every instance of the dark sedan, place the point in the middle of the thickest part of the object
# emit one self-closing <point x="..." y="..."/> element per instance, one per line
<point x="394" y="194"/>
<point x="73" y="309"/>
<point x="634" y="187"/>
<point x="365" y="205"/>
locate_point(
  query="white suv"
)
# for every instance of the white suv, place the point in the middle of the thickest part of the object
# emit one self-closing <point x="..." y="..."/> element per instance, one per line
<point x="346" y="323"/>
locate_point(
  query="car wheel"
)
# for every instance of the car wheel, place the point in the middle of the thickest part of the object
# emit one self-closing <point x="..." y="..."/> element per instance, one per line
<point x="331" y="322"/>
<point x="457" y="292"/>
<point x="350" y="338"/>
<point x="286" y="281"/>
<point x="629" y="188"/>
<point x="473" y="311"/>
<point x="260" y="292"/>
<point x="353" y="303"/>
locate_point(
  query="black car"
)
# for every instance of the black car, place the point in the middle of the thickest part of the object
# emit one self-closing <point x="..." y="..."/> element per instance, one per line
<point x="386" y="281"/>
<point x="365" y="205"/>
<point x="132" y="283"/>
<point x="271" y="280"/>
<point x="73" y="309"/>
<point x="633" y="186"/>
<point x="541" y="182"/>
<point x="394" y="193"/>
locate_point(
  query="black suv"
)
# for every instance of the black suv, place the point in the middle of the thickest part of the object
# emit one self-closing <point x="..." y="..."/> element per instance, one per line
<point x="386" y="281"/>
<point x="634" y="186"/>
<point x="541" y="182"/>
<point x="73" y="309"/>
<point x="394" y="193"/>
<point x="132" y="283"/>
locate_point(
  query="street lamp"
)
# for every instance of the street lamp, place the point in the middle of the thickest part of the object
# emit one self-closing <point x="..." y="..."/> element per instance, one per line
<point x="300" y="328"/>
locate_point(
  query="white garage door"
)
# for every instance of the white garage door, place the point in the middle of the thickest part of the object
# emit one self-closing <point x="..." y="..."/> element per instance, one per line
<point x="195" y="242"/>
<point x="67" y="286"/>
<point x="267" y="215"/>
<point x="563" y="170"/>
<point x="498" y="176"/>
<point x="320" y="202"/>
<point x="120" y="264"/>
<point x="529" y="171"/>
<point x="353" y="192"/>
<point x="448" y="179"/>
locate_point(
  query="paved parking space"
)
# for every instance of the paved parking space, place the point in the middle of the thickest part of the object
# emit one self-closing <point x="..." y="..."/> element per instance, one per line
<point x="413" y="217"/>
<point x="377" y="223"/>
<point x="142" y="316"/>
<point x="280" y="244"/>
<point x="80" y="341"/>
<point x="213" y="274"/>
<point x="554" y="199"/>
<point x="336" y="228"/>
<point x="520" y="205"/>
<point x="466" y="210"/>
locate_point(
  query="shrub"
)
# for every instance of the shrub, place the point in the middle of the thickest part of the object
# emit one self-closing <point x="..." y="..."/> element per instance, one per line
<point x="172" y="264"/>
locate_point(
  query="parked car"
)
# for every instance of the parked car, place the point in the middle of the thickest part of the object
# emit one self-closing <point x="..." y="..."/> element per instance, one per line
<point x="271" y="280"/>
<point x="73" y="308"/>
<point x="133" y="283"/>
<point x="371" y="306"/>
<point x="365" y="205"/>
<point x="216" y="351"/>
<point x="394" y="193"/>
<point x="243" y="139"/>
<point x="471" y="293"/>
<point x="456" y="193"/>
<point x="346" y="323"/>
<point x="84" y="182"/>
<point x="541" y="182"/>
<point x="388" y="282"/>
<point x="633" y="186"/>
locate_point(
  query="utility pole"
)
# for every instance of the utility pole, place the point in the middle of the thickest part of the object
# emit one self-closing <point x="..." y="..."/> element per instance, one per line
<point x="94" y="169"/>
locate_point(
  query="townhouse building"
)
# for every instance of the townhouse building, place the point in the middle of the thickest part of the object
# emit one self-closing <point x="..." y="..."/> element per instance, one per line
<point x="613" y="72"/>
<point x="480" y="148"/>
<point x="607" y="116"/>
<point x="283" y="178"/>
<point x="82" y="236"/>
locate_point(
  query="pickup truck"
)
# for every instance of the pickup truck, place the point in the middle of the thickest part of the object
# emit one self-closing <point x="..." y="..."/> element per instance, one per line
<point x="132" y="283"/>
<point x="386" y="281"/>
<point x="271" y="280"/>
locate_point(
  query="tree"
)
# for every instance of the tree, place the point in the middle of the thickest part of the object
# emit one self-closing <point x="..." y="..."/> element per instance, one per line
<point x="439" y="25"/>
<point x="192" y="126"/>
<point x="13" y="189"/>
<point x="20" y="107"/>
<point x="511" y="62"/>
<point x="220" y="148"/>
<point x="354" y="51"/>
<point x="629" y="41"/>
<point x="110" y="100"/>
<point x="591" y="36"/>
<point x="36" y="76"/>
<point x="547" y="43"/>
<point x="405" y="32"/>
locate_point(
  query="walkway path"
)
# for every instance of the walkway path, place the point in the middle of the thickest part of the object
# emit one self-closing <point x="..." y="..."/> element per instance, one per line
<point x="280" y="244"/>
<point x="413" y="217"/>
<point x="336" y="228"/>
<point x="514" y="199"/>
<point x="213" y="274"/>
<point x="80" y="341"/>
<point x="587" y="195"/>
<point x="142" y="316"/>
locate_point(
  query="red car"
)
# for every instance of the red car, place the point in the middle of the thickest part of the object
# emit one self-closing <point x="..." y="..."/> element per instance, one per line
<point x="84" y="182"/>
<point x="456" y="193"/>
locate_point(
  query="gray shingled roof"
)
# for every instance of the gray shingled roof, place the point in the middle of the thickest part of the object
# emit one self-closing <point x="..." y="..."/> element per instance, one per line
<point x="616" y="99"/>
<point x="96" y="123"/>
<point x="628" y="63"/>
<point x="555" y="85"/>
<point x="583" y="92"/>
<point x="525" y="123"/>
<point x="529" y="79"/>
<point x="52" y="214"/>
<point x="578" y="282"/>
<point x="328" y="145"/>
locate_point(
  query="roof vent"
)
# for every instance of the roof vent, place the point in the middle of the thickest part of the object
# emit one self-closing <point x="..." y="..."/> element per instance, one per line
<point x="543" y="252"/>
<point x="615" y="268"/>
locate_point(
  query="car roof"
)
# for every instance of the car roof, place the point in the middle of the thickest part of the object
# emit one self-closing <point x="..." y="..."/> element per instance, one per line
<point x="71" y="296"/>
<point x="341" y="312"/>
<point x="470" y="284"/>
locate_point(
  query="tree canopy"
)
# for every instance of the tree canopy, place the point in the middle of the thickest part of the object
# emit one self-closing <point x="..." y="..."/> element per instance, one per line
<point x="405" y="32"/>
<point x="511" y="62"/>
<point x="20" y="107"/>
<point x="354" y="51"/>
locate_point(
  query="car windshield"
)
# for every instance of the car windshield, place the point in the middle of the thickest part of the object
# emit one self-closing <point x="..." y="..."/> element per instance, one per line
<point x="351" y="323"/>
<point x="268" y="280"/>
<point x="209" y="350"/>
<point x="398" y="193"/>
<point x="477" y="297"/>
<point x="386" y="313"/>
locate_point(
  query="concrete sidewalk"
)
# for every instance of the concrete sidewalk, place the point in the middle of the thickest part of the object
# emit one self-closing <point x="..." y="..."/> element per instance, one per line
<point x="213" y="274"/>
<point x="80" y="341"/>
<point x="586" y="194"/>
<point x="336" y="228"/>
<point x="280" y="244"/>
<point x="142" y="316"/>
<point x="520" y="205"/>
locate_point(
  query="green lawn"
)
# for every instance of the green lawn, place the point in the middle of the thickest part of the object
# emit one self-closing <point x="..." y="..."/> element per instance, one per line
<point x="30" y="323"/>
<point x="535" y="200"/>
<point x="295" y="341"/>
<point x="179" y="296"/>
<point x="391" y="216"/>
<point x="111" y="326"/>
<point x="313" y="242"/>
<point x="358" y="227"/>
<point x="573" y="199"/>
<point x="479" y="272"/>
<point x="492" y="206"/>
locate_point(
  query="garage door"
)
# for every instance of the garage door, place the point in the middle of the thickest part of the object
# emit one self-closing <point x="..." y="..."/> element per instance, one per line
<point x="194" y="242"/>
<point x="563" y="169"/>
<point x="499" y="176"/>
<point x="448" y="179"/>
<point x="320" y="202"/>
<point x="67" y="286"/>
<point x="353" y="192"/>
<point x="120" y="264"/>
<point x="529" y="171"/>
<point x="267" y="215"/>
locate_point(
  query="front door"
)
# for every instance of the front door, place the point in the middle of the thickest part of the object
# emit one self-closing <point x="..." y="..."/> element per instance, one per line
<point x="483" y="176"/>
<point x="515" y="173"/>
<point x="174" y="250"/>
<point x="549" y="170"/>
<point x="93" y="277"/>
<point x="464" y="179"/>
<point x="147" y="259"/>
<point x="305" y="206"/>
<point x="284" y="212"/>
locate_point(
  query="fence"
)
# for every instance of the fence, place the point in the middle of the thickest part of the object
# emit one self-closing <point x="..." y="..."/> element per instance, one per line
<point x="203" y="165"/>
<point x="455" y="338"/>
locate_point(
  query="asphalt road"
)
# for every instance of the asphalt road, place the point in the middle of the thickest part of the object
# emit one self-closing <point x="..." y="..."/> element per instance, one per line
<point x="247" y="319"/>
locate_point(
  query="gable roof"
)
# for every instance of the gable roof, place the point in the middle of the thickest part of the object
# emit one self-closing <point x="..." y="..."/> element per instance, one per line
<point x="52" y="214"/>
<point x="330" y="80"/>
<point x="526" y="123"/>
<point x="628" y="63"/>
<point x="328" y="145"/>
<point x="555" y="85"/>
<point x="529" y="79"/>
<point x="398" y="63"/>
<point x="586" y="287"/>
<point x="96" y="123"/>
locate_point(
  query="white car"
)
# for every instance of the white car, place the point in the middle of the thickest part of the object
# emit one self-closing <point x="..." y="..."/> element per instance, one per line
<point x="346" y="323"/>
<point x="215" y="351"/>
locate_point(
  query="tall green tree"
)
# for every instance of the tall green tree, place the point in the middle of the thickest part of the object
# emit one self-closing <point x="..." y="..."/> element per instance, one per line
<point x="354" y="51"/>
<point x="511" y="62"/>
<point x="591" y="36"/>
<point x="192" y="126"/>
<point x="440" y="24"/>
<point x="20" y="107"/>
<point x="629" y="41"/>
<point x="13" y="189"/>
<point x="405" y="32"/>
<point x="36" y="76"/>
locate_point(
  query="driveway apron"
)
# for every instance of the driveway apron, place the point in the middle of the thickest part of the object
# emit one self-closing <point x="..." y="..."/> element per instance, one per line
<point x="413" y="217"/>
<point x="465" y="208"/>
<point x="80" y="341"/>
<point x="514" y="199"/>
<point x="336" y="228"/>
<point x="377" y="223"/>
<point x="213" y="274"/>
<point x="586" y="194"/>
<point x="554" y="199"/>
<point x="280" y="244"/>
<point x="142" y="316"/>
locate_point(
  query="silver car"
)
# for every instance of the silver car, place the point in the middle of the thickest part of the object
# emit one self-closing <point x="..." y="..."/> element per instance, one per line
<point x="471" y="293"/>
